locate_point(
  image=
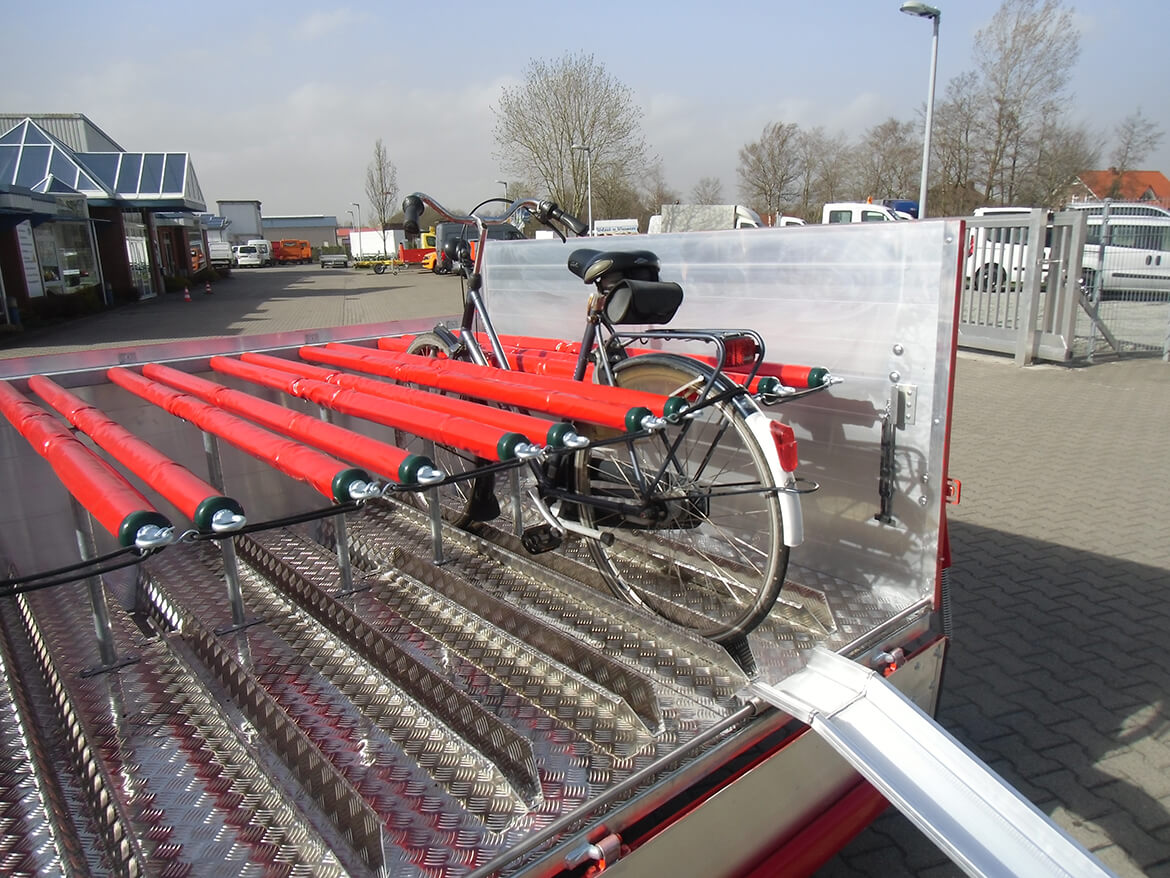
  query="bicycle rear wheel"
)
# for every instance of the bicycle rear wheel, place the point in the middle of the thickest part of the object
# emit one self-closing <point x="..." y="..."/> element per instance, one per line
<point x="715" y="560"/>
<point x="465" y="501"/>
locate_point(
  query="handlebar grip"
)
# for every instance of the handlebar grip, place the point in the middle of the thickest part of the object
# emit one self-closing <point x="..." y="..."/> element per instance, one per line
<point x="412" y="210"/>
<point x="549" y="209"/>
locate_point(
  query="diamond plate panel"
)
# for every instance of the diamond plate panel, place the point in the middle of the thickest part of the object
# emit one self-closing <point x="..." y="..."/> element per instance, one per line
<point x="167" y="774"/>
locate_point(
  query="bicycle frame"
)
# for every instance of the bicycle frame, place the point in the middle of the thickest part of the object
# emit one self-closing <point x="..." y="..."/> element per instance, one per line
<point x="597" y="327"/>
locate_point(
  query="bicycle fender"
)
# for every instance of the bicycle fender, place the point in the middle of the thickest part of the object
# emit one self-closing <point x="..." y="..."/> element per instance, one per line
<point x="790" y="510"/>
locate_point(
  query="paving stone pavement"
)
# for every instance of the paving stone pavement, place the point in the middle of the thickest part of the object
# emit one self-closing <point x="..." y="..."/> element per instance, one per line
<point x="1057" y="675"/>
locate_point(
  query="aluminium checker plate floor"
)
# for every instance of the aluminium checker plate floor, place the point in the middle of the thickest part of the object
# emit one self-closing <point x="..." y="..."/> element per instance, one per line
<point x="425" y="722"/>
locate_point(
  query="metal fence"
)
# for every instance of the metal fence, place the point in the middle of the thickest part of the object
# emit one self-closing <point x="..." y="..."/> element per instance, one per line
<point x="1066" y="286"/>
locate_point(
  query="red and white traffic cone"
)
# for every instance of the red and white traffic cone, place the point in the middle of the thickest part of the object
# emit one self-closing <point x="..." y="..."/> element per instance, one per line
<point x="186" y="295"/>
<point x="207" y="288"/>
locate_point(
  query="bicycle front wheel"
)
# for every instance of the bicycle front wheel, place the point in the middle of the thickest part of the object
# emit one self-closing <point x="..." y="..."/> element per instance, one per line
<point x="708" y="552"/>
<point x="466" y="500"/>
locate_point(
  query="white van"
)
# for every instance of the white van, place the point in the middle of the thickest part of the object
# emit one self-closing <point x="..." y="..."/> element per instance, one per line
<point x="265" y="249"/>
<point x="859" y="212"/>
<point x="997" y="248"/>
<point x="1134" y="262"/>
<point x="1120" y="208"/>
<point x="249" y="256"/>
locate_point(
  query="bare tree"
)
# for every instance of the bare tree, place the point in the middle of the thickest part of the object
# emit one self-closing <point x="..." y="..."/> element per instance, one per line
<point x="889" y="162"/>
<point x="655" y="192"/>
<point x="958" y="120"/>
<point x="835" y="172"/>
<point x="707" y="191"/>
<point x="562" y="103"/>
<point x="382" y="188"/>
<point x="1024" y="57"/>
<point x="1136" y="137"/>
<point x="1063" y="151"/>
<point x="769" y="167"/>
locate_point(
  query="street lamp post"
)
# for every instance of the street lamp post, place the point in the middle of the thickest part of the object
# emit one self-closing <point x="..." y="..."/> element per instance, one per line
<point x="914" y="7"/>
<point x="504" y="183"/>
<point x="580" y="147"/>
<point x="352" y="224"/>
<point x="359" y="222"/>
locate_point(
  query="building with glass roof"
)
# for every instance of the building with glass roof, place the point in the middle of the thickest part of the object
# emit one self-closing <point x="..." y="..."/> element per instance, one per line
<point x="79" y="212"/>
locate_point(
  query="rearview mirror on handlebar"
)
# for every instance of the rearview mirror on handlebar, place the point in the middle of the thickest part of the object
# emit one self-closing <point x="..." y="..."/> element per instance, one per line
<point x="412" y="209"/>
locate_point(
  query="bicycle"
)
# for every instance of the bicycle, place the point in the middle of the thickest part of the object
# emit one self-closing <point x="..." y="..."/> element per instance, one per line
<point x="690" y="515"/>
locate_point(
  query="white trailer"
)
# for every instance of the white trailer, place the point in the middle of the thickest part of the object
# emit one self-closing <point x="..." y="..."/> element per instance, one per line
<point x="375" y="242"/>
<point x="705" y="218"/>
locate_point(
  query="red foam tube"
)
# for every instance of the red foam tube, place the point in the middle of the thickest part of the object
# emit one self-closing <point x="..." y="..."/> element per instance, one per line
<point x="113" y="502"/>
<point x="380" y="457"/>
<point x="799" y="377"/>
<point x="190" y="494"/>
<point x="559" y="351"/>
<point x="493" y="384"/>
<point x="327" y="475"/>
<point x="599" y="393"/>
<point x="486" y="414"/>
<point x="484" y="441"/>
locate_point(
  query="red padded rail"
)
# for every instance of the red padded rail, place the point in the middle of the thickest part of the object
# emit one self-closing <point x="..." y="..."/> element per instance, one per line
<point x="527" y="425"/>
<point x="624" y="396"/>
<point x="113" y="502"/>
<point x="484" y="441"/>
<point x="566" y="398"/>
<point x="380" y="457"/>
<point x="327" y="475"/>
<point x="550" y="354"/>
<point x="190" y="494"/>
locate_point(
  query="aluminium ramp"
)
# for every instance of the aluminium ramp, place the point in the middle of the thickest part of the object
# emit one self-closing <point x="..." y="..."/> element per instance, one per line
<point x="976" y="818"/>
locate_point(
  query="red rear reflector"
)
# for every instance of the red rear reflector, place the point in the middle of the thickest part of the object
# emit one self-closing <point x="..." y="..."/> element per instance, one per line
<point x="740" y="350"/>
<point x="785" y="440"/>
<point x="954" y="491"/>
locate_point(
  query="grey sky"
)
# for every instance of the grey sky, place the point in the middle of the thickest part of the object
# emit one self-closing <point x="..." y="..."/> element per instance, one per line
<point x="282" y="102"/>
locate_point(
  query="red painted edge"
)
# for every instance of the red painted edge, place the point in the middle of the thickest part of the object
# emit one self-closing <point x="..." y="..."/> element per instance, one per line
<point x="823" y="836"/>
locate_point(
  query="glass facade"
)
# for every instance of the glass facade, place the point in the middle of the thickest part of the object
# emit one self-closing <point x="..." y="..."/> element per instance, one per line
<point x="138" y="253"/>
<point x="62" y="246"/>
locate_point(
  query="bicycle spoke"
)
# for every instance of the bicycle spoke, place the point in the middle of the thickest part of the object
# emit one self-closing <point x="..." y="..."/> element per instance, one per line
<point x="706" y="549"/>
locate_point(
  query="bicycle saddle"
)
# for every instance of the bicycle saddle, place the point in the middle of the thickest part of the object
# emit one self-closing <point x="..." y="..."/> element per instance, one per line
<point x="610" y="267"/>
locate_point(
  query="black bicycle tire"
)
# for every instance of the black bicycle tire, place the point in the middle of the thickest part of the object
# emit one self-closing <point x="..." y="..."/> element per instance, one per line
<point x="458" y="499"/>
<point x="618" y="572"/>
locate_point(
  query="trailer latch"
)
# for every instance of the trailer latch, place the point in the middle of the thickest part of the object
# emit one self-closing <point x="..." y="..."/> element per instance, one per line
<point x="954" y="491"/>
<point x="603" y="853"/>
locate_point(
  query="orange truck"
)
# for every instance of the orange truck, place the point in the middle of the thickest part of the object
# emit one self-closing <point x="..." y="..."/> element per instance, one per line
<point x="291" y="251"/>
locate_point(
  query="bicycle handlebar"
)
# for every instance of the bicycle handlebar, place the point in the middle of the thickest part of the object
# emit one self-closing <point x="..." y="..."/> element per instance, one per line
<point x="545" y="211"/>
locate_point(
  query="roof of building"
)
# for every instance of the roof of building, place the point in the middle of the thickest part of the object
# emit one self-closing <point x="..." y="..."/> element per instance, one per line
<point x="75" y="130"/>
<point x="18" y="204"/>
<point x="1128" y="185"/>
<point x="315" y="221"/>
<point x="33" y="158"/>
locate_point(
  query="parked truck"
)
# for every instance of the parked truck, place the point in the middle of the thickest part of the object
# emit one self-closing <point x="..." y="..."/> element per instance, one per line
<point x="220" y="255"/>
<point x="704" y="218"/>
<point x="292" y="252"/>
<point x="416" y="255"/>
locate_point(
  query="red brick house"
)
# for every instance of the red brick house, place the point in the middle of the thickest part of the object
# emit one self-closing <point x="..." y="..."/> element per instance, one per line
<point x="1151" y="186"/>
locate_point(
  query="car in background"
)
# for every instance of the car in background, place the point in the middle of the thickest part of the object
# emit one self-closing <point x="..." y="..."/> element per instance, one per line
<point x="1128" y="258"/>
<point x="249" y="256"/>
<point x="1120" y="208"/>
<point x="447" y="236"/>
